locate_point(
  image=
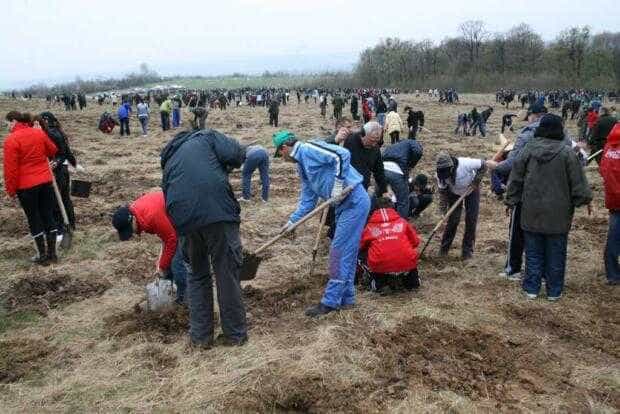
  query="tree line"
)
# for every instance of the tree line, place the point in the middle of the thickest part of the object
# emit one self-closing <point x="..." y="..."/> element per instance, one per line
<point x="477" y="60"/>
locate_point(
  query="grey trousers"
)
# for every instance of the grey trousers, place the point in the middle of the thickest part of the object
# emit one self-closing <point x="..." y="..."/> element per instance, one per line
<point x="216" y="245"/>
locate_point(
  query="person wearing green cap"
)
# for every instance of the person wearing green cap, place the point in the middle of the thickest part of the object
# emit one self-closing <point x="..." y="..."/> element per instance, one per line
<point x="325" y="171"/>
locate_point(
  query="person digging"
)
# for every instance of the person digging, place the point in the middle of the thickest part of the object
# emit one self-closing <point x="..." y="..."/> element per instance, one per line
<point x="148" y="214"/>
<point x="325" y="172"/>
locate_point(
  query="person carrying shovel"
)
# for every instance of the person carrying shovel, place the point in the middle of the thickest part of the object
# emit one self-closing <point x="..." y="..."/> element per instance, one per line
<point x="325" y="172"/>
<point x="458" y="177"/>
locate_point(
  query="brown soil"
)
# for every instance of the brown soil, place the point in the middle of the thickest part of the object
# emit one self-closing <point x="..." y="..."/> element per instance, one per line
<point x="40" y="293"/>
<point x="166" y="325"/>
<point x="22" y="357"/>
<point x="157" y="359"/>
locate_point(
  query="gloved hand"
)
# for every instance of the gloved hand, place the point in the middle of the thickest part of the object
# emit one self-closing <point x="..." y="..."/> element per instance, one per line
<point x="338" y="187"/>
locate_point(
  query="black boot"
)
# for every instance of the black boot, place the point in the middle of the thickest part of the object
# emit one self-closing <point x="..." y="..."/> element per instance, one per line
<point x="51" y="247"/>
<point x="41" y="257"/>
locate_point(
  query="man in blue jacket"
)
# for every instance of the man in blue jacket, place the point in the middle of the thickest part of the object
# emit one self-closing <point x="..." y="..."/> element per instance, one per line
<point x="398" y="161"/>
<point x="205" y="213"/>
<point x="123" y="117"/>
<point x="325" y="171"/>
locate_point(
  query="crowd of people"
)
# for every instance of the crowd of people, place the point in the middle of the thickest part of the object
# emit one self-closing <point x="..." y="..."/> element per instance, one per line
<point x="369" y="174"/>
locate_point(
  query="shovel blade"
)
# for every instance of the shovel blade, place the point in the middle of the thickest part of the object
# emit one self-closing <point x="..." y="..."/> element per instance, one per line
<point x="249" y="266"/>
<point x="66" y="241"/>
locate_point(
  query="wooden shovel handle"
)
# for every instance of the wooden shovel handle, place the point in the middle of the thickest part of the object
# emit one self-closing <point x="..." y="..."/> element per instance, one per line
<point x="305" y="218"/>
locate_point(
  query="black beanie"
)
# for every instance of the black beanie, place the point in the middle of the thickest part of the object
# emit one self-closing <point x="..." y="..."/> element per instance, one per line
<point x="550" y="127"/>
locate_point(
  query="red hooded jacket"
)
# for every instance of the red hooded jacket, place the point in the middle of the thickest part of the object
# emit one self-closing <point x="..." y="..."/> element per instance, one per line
<point x="610" y="169"/>
<point x="592" y="118"/>
<point x="26" y="153"/>
<point x="391" y="242"/>
<point x="150" y="214"/>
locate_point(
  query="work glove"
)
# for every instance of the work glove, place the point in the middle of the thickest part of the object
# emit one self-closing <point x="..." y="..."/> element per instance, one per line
<point x="338" y="188"/>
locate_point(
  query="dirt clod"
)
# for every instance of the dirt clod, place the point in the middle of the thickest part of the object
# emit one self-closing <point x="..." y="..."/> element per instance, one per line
<point x="40" y="294"/>
<point x="21" y="357"/>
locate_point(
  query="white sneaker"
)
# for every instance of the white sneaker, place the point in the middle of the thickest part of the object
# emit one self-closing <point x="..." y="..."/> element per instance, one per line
<point x="243" y="200"/>
<point x="553" y="298"/>
<point x="515" y="277"/>
<point x="530" y="296"/>
<point x="58" y="239"/>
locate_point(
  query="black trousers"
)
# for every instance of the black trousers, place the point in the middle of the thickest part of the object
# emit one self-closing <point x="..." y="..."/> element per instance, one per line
<point x="410" y="280"/>
<point x="472" y="208"/>
<point x="124" y="126"/>
<point x="216" y="245"/>
<point x="62" y="179"/>
<point x="516" y="242"/>
<point x="273" y="119"/>
<point x="395" y="137"/>
<point x="38" y="203"/>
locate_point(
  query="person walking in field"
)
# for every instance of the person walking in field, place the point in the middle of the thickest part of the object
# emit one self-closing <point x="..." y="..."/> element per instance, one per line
<point x="393" y="125"/>
<point x="123" y="117"/>
<point x="142" y="110"/>
<point x="164" y="110"/>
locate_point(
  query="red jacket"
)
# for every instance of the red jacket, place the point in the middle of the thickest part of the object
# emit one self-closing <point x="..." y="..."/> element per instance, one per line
<point x="26" y="153"/>
<point x="592" y="118"/>
<point x="150" y="214"/>
<point x="391" y="243"/>
<point x="610" y="169"/>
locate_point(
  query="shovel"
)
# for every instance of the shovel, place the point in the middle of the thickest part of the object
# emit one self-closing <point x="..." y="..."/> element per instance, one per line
<point x="251" y="261"/>
<point x="446" y="217"/>
<point x="67" y="236"/>
<point x="315" y="249"/>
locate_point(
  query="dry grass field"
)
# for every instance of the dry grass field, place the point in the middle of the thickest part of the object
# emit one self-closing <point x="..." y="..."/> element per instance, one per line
<point x="73" y="336"/>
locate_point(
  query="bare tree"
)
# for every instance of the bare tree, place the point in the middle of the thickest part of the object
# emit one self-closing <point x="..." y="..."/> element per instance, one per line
<point x="474" y="34"/>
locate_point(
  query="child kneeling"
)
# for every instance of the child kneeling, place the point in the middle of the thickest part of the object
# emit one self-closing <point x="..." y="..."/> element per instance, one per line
<point x="390" y="243"/>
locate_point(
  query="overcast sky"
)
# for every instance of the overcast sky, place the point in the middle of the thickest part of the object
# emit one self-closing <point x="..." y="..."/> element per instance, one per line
<point x="56" y="40"/>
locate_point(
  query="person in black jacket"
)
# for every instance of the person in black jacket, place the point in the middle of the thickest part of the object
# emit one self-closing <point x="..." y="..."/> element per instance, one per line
<point x="415" y="120"/>
<point x="60" y="167"/>
<point x="205" y="213"/>
<point x="398" y="161"/>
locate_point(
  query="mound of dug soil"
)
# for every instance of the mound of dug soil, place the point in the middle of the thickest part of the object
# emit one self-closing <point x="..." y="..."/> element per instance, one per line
<point x="166" y="325"/>
<point x="269" y="303"/>
<point x="21" y="357"/>
<point x="40" y="294"/>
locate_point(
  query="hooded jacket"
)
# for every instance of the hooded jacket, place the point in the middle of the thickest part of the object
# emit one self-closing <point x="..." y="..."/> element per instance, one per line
<point x="195" y="179"/>
<point x="405" y="153"/>
<point x="549" y="181"/>
<point x="150" y="213"/>
<point x="26" y="152"/>
<point x="393" y="123"/>
<point x="610" y="169"/>
<point x="391" y="242"/>
<point x="600" y="131"/>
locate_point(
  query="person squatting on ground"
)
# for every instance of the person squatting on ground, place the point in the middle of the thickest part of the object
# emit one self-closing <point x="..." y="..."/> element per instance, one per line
<point x="454" y="177"/>
<point x="507" y="122"/>
<point x="549" y="182"/>
<point x="142" y="110"/>
<point x="28" y="176"/>
<point x="203" y="209"/>
<point x="393" y="125"/>
<point x="389" y="243"/>
<point x="420" y="195"/>
<point x="256" y="157"/>
<point x="148" y="214"/>
<point x="60" y="166"/>
<point x="516" y="237"/>
<point x="200" y="116"/>
<point x="164" y="111"/>
<point x="123" y="117"/>
<point x="398" y="162"/>
<point x="610" y="171"/>
<point x="325" y="171"/>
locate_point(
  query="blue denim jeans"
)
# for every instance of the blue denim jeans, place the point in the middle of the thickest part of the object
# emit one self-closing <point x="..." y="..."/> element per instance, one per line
<point x="144" y="122"/>
<point x="381" y="118"/>
<point x="545" y="255"/>
<point x="612" y="249"/>
<point x="256" y="159"/>
<point x="176" y="118"/>
<point x="180" y="268"/>
<point x="399" y="185"/>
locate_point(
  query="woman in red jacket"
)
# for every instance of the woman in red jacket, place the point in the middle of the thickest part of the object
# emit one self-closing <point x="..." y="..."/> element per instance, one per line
<point x="610" y="171"/>
<point x="391" y="243"/>
<point x="27" y="175"/>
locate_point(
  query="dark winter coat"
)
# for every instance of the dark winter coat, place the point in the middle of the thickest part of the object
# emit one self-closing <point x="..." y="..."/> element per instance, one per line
<point x="195" y="179"/>
<point x="405" y="153"/>
<point x="367" y="161"/>
<point x="549" y="181"/>
<point x="600" y="131"/>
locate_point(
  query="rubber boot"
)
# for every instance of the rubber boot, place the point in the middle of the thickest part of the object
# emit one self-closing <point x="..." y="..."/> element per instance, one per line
<point x="52" y="257"/>
<point x="41" y="257"/>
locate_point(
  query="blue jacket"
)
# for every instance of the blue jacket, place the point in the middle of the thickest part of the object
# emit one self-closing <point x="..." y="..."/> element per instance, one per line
<point x="124" y="110"/>
<point x="320" y="167"/>
<point x="405" y="153"/>
<point x="195" y="179"/>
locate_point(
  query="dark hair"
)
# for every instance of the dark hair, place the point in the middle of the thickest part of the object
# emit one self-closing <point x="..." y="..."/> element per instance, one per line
<point x="384" y="202"/>
<point x="342" y="120"/>
<point x="24" y="117"/>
